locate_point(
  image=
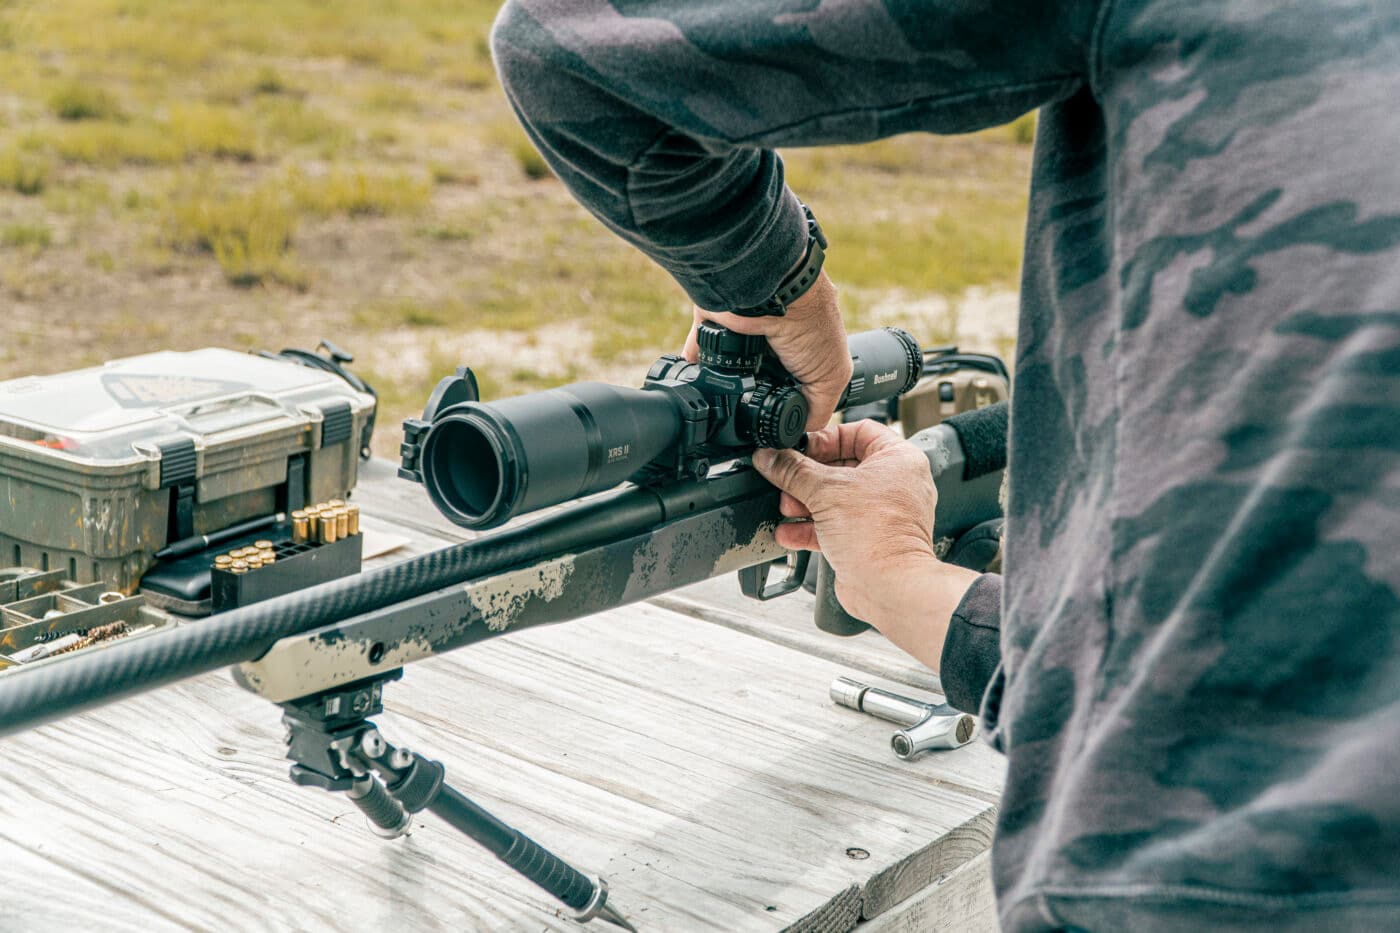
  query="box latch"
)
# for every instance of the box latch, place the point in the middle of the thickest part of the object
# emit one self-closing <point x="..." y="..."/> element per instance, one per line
<point x="293" y="492"/>
<point x="179" y="467"/>
<point x="337" y="423"/>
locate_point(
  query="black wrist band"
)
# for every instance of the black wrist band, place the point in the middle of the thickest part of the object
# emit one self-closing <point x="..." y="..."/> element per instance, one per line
<point x="795" y="285"/>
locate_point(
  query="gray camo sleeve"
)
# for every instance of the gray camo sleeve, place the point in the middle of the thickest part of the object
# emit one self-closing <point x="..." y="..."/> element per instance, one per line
<point x="972" y="650"/>
<point x="661" y="115"/>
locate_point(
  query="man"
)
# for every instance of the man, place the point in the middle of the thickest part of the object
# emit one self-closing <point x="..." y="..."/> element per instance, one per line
<point x="1199" y="687"/>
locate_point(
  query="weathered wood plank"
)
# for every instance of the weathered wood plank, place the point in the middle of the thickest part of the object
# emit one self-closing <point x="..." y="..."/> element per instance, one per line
<point x="838" y="915"/>
<point x="172" y="811"/>
<point x="729" y="672"/>
<point x="940" y="857"/>
<point x="702" y="771"/>
<point x="958" y="902"/>
<point x="419" y="541"/>
<point x="799" y="789"/>
<point x="787" y="621"/>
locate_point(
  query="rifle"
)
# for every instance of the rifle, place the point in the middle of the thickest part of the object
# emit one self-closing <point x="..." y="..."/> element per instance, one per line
<point x="325" y="654"/>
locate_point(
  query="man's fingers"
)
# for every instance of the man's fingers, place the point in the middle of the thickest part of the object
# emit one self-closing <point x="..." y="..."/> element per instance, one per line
<point x="825" y="445"/>
<point x="692" y="340"/>
<point x="791" y="508"/>
<point x="797" y="536"/>
<point x="854" y="441"/>
<point x="821" y="404"/>
<point x="791" y="472"/>
<point x="735" y="322"/>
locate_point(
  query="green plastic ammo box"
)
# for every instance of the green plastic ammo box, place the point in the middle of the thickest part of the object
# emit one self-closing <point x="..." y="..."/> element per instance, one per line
<point x="102" y="467"/>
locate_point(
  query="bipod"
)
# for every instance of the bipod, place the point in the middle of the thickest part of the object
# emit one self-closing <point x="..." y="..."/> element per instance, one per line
<point x="336" y="748"/>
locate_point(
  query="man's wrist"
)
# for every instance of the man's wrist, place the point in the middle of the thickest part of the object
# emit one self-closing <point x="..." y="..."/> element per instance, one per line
<point x="914" y="600"/>
<point x="798" y="280"/>
<point x="819" y="301"/>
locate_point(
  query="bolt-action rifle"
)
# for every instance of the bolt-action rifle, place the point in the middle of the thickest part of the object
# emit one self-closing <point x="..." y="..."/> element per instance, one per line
<point x="690" y="508"/>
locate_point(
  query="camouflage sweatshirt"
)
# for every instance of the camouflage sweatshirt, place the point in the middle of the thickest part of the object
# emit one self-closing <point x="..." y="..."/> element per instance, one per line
<point x="1199" y="694"/>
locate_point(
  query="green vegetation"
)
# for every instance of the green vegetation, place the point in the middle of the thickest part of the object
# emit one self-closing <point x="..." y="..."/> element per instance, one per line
<point x="22" y="173"/>
<point x="262" y="173"/>
<point x="1023" y="129"/>
<point x="529" y="160"/>
<point x="269" y="81"/>
<point x="34" y="236"/>
<point x="449" y="231"/>
<point x="249" y="236"/>
<point x="76" y="100"/>
<point x="356" y="193"/>
<point x="220" y="132"/>
<point x="108" y="145"/>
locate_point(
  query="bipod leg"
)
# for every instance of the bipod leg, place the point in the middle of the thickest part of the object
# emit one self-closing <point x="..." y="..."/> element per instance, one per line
<point x="334" y="747"/>
<point x="418" y="784"/>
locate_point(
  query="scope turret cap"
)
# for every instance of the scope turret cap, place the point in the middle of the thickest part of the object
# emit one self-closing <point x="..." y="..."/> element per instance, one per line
<point x="780" y="416"/>
<point x="722" y="348"/>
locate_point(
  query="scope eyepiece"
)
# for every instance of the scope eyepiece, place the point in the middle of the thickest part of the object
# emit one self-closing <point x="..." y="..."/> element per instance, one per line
<point x="887" y="362"/>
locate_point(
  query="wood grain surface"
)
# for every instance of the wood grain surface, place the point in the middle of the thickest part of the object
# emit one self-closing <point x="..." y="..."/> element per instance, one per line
<point x="958" y="902"/>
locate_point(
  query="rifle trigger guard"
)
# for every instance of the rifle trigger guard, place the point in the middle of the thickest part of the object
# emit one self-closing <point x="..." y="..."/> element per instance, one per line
<point x="753" y="581"/>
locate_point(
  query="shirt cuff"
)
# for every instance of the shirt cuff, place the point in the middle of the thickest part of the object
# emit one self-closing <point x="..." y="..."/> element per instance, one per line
<point x="756" y="260"/>
<point x="972" y="650"/>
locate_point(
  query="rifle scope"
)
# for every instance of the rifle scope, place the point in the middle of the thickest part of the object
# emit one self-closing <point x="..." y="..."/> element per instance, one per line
<point x="485" y="463"/>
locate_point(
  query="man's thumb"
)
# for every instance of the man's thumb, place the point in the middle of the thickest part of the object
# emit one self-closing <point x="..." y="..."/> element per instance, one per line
<point x="791" y="472"/>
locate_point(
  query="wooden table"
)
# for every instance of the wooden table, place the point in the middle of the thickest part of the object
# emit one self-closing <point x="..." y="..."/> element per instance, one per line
<point x="685" y="749"/>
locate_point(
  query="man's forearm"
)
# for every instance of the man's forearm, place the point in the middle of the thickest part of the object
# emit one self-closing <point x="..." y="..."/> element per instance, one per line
<point x="945" y="616"/>
<point x="660" y="115"/>
<point x="604" y="97"/>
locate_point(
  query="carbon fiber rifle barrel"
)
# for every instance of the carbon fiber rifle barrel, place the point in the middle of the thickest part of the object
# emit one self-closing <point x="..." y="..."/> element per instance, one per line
<point x="62" y="688"/>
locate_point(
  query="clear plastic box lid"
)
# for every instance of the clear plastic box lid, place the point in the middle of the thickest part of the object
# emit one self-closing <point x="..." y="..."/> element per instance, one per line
<point x="100" y="413"/>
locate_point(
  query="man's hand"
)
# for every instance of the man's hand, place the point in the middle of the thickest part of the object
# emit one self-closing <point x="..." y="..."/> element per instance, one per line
<point x="865" y="498"/>
<point x="810" y="340"/>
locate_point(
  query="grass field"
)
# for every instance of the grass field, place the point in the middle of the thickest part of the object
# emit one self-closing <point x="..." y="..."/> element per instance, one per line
<point x="264" y="173"/>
